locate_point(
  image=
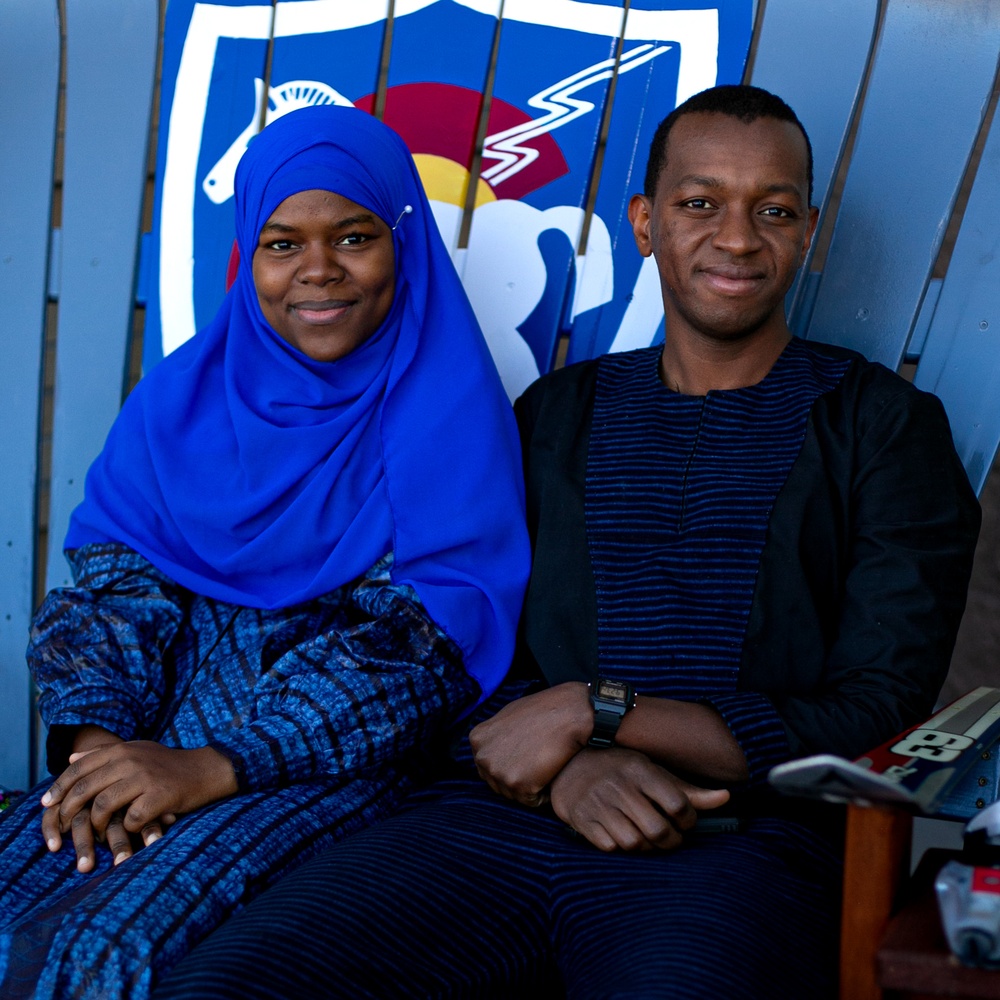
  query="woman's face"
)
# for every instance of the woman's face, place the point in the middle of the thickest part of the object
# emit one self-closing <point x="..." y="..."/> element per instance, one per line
<point x="324" y="271"/>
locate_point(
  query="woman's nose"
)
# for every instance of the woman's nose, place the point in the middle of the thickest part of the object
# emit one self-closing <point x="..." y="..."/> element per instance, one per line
<point x="320" y="264"/>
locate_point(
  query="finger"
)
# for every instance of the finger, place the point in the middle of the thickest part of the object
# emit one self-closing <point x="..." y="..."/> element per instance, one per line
<point x="657" y="829"/>
<point x="119" y="842"/>
<point x="74" y="757"/>
<point x="707" y="798"/>
<point x="108" y="802"/>
<point x="81" y="764"/>
<point x="168" y="819"/>
<point x="495" y="785"/>
<point x="50" y="828"/>
<point x="616" y="831"/>
<point x="83" y="841"/>
<point x="151" y="833"/>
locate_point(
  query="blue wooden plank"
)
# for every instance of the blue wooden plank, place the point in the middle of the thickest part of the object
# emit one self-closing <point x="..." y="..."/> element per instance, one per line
<point x="554" y="69"/>
<point x="437" y="79"/>
<point x="668" y="55"/>
<point x="212" y="87"/>
<point x="111" y="55"/>
<point x="961" y="357"/>
<point x="927" y="94"/>
<point x="822" y="88"/>
<point x="29" y="82"/>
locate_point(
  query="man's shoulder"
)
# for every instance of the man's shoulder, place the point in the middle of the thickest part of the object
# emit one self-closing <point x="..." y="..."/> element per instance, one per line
<point x="576" y="382"/>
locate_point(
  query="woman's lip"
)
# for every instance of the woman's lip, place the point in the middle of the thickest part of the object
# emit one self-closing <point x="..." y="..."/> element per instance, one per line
<point x="319" y="313"/>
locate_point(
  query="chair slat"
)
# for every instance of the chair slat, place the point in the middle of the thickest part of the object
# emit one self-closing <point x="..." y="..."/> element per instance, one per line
<point x="109" y="97"/>
<point x="29" y="87"/>
<point x="822" y="87"/>
<point x="209" y="109"/>
<point x="672" y="55"/>
<point x="961" y="356"/>
<point x="927" y="94"/>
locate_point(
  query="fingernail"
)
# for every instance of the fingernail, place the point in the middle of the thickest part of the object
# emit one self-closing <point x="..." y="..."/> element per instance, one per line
<point x="52" y="844"/>
<point x="120" y="857"/>
<point x="47" y="799"/>
<point x="152" y="838"/>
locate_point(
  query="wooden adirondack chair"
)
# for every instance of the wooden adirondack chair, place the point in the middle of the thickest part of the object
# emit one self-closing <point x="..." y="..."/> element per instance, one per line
<point x="528" y="197"/>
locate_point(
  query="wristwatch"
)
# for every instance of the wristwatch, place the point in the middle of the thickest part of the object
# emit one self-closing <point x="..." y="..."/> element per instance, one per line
<point x="611" y="700"/>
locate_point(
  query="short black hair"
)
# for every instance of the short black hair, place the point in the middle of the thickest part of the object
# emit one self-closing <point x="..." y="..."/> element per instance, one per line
<point x="736" y="100"/>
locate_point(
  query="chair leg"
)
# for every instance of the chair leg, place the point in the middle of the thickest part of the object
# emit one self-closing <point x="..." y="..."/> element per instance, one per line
<point x="876" y="856"/>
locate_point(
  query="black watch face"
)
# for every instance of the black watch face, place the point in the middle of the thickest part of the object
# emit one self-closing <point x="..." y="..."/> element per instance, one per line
<point x="613" y="691"/>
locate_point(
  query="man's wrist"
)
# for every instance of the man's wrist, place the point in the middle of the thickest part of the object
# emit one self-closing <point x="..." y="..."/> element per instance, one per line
<point x="582" y="712"/>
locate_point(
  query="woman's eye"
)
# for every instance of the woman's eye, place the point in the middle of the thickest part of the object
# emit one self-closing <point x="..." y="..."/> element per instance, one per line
<point x="353" y="239"/>
<point x="280" y="245"/>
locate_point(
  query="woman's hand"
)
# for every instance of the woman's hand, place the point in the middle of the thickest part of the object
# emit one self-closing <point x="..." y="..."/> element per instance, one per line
<point x="527" y="743"/>
<point x="619" y="798"/>
<point x="120" y="789"/>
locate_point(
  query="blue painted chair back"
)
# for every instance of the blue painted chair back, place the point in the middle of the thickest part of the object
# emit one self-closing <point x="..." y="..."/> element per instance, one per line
<point x="505" y="106"/>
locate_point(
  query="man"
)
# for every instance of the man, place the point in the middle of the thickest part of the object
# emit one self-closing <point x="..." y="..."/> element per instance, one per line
<point x="770" y="541"/>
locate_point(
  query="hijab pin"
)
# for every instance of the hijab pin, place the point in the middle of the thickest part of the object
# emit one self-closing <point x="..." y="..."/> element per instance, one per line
<point x="406" y="211"/>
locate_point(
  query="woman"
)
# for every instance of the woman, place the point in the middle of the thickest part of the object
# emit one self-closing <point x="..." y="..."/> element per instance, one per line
<point x="289" y="579"/>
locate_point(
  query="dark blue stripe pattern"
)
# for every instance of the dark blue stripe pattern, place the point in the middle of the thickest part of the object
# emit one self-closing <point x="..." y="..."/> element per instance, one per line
<point x="678" y="496"/>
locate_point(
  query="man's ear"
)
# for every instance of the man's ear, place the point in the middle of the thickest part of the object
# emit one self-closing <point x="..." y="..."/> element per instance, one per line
<point x="640" y="215"/>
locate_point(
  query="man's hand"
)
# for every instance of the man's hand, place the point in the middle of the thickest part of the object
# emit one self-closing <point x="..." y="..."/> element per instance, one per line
<point x="120" y="789"/>
<point x="619" y="798"/>
<point x="527" y="743"/>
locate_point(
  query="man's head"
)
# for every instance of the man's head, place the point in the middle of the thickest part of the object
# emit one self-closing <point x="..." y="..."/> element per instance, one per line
<point x="727" y="217"/>
<point x="738" y="101"/>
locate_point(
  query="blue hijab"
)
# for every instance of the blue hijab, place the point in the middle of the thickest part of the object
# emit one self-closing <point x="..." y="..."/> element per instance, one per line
<point x="250" y="473"/>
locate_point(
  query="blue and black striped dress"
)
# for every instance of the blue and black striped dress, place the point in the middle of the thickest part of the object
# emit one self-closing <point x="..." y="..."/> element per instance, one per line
<point x="324" y="708"/>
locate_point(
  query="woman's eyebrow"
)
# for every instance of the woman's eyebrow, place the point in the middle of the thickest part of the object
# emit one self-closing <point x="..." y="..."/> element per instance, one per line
<point x="276" y="226"/>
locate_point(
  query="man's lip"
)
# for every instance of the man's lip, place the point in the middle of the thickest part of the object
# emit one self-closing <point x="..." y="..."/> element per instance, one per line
<point x="732" y="279"/>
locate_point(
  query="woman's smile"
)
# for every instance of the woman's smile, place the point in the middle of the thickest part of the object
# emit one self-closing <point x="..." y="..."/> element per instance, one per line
<point x="324" y="270"/>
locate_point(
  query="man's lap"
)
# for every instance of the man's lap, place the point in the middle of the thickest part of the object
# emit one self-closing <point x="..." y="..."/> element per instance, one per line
<point x="465" y="895"/>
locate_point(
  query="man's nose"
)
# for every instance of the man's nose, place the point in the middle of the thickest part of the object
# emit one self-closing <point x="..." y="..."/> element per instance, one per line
<point x="737" y="231"/>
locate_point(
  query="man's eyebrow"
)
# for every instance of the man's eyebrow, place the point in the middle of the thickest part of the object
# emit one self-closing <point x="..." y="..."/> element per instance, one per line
<point x="701" y="180"/>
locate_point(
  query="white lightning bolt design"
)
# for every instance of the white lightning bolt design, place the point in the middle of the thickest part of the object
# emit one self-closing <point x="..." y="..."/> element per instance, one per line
<point x="561" y="107"/>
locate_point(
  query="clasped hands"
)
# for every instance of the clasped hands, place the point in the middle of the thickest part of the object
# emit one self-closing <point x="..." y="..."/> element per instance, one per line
<point x="535" y="750"/>
<point x="126" y="793"/>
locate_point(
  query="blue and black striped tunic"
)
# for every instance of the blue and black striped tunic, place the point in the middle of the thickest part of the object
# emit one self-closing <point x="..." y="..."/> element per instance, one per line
<point x="679" y="492"/>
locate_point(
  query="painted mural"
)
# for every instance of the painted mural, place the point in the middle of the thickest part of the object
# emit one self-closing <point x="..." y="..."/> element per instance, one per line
<point x="530" y="271"/>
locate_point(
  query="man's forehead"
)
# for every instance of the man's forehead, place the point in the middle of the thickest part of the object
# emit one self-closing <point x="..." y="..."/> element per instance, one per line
<point x="702" y="143"/>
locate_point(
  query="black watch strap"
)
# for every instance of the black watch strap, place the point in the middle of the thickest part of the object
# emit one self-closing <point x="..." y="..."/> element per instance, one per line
<point x="611" y="700"/>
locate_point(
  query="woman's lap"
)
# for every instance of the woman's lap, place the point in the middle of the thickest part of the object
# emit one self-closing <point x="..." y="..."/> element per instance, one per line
<point x="467" y="896"/>
<point x="112" y="932"/>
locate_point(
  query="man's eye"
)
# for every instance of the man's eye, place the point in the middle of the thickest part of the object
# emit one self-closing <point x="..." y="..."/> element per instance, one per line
<point x="697" y="203"/>
<point x="777" y="212"/>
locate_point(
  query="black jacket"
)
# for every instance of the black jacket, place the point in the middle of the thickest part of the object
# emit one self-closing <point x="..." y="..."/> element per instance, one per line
<point x="863" y="576"/>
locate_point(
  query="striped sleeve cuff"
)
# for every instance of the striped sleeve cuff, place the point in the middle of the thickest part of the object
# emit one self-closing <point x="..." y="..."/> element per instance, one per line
<point x="758" y="729"/>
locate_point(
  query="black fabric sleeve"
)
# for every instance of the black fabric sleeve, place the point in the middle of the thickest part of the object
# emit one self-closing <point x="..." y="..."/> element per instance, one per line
<point x="863" y="581"/>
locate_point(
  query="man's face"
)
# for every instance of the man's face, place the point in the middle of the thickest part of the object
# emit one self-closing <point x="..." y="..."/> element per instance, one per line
<point x="729" y="224"/>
